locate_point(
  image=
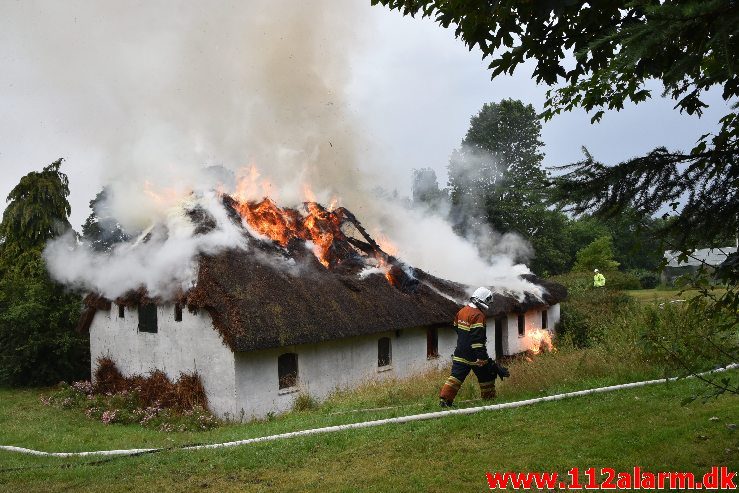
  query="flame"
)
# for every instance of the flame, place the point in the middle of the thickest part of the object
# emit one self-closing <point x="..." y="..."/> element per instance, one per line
<point x="249" y="186"/>
<point x="385" y="243"/>
<point x="541" y="339"/>
<point x="313" y="224"/>
<point x="318" y="225"/>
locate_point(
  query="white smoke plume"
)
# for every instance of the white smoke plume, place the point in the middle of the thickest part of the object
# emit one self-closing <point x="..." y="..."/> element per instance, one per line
<point x="163" y="258"/>
<point x="162" y="92"/>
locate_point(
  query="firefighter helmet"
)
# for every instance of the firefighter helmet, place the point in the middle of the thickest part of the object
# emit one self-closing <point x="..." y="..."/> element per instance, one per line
<point x="596" y="270"/>
<point x="482" y="297"/>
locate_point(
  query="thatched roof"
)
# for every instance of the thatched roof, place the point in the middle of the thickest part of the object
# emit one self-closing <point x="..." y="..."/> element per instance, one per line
<point x="268" y="297"/>
<point x="255" y="305"/>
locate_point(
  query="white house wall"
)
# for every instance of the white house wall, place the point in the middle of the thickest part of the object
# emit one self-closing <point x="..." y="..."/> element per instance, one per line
<point x="245" y="385"/>
<point x="331" y="365"/>
<point x="178" y="347"/>
<point x="514" y="343"/>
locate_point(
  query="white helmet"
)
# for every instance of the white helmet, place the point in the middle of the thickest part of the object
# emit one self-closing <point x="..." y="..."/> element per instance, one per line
<point x="482" y="297"/>
<point x="596" y="270"/>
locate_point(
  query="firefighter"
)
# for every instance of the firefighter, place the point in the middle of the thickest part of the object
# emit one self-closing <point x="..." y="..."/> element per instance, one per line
<point x="470" y="353"/>
<point x="599" y="280"/>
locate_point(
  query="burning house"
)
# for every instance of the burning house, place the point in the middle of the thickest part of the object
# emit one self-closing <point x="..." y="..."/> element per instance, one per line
<point x="313" y="305"/>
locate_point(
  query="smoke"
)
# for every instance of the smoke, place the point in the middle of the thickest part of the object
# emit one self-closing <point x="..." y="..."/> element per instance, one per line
<point x="164" y="93"/>
<point x="162" y="259"/>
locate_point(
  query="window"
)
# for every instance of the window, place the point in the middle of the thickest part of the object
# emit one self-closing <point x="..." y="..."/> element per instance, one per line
<point x="432" y="343"/>
<point x="121" y="311"/>
<point x="148" y="318"/>
<point x="521" y="324"/>
<point x="384" y="352"/>
<point x="287" y="370"/>
<point x="544" y="320"/>
<point x="177" y="312"/>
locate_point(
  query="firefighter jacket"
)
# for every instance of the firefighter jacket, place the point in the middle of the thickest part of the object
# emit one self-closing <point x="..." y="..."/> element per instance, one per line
<point x="471" y="335"/>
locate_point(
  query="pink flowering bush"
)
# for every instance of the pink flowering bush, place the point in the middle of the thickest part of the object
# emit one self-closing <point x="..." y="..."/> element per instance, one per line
<point x="126" y="407"/>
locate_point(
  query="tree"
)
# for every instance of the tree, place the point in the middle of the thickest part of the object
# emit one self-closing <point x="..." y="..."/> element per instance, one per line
<point x="496" y="180"/>
<point x="37" y="209"/>
<point x="690" y="46"/>
<point x="37" y="316"/>
<point x="496" y="174"/>
<point x="597" y="255"/>
<point x="426" y="192"/>
<point x="101" y="230"/>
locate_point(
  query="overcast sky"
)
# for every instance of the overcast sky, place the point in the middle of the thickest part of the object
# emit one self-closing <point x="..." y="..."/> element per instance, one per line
<point x="412" y="87"/>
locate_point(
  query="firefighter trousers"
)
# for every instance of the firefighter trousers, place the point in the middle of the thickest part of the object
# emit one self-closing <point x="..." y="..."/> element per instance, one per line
<point x="485" y="376"/>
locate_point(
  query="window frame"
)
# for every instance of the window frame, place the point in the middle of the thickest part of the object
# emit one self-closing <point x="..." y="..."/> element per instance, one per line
<point x="144" y="310"/>
<point x="177" y="312"/>
<point x="432" y="343"/>
<point x="521" y="325"/>
<point x="389" y="360"/>
<point x="121" y="311"/>
<point x="545" y="319"/>
<point x="284" y="385"/>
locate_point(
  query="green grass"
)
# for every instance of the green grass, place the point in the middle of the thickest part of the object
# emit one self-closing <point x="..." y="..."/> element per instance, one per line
<point x="666" y="294"/>
<point x="645" y="426"/>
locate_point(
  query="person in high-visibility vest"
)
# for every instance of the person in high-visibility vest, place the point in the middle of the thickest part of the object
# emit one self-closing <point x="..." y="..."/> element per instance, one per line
<point x="599" y="280"/>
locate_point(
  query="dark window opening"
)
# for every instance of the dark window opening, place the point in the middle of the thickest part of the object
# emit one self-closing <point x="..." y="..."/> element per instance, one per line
<point x="432" y="343"/>
<point x="544" y="322"/>
<point x="522" y="324"/>
<point x="121" y="311"/>
<point x="148" y="318"/>
<point x="384" y="352"/>
<point x="177" y="312"/>
<point x="499" y="337"/>
<point x="287" y="370"/>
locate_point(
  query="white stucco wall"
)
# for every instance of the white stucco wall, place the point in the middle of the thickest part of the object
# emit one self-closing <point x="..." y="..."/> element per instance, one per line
<point x="339" y="364"/>
<point x="178" y="347"/>
<point x="245" y="385"/>
<point x="514" y="343"/>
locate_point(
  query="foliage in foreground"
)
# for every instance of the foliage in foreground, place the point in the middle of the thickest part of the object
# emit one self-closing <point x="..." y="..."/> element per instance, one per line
<point x="680" y="339"/>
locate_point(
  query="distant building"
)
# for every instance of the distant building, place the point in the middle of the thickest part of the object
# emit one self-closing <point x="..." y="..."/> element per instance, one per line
<point x="709" y="258"/>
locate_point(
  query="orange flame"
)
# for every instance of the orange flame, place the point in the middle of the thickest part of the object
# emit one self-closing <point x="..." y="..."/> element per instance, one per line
<point x="318" y="225"/>
<point x="541" y="339"/>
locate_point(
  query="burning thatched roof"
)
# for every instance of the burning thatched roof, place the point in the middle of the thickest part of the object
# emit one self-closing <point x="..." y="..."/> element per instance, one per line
<point x="256" y="306"/>
<point x="281" y="293"/>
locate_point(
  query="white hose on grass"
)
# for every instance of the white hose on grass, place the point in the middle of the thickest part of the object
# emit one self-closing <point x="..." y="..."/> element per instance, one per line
<point x="364" y="424"/>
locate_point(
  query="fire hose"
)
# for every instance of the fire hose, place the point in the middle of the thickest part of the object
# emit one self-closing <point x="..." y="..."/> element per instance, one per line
<point x="364" y="424"/>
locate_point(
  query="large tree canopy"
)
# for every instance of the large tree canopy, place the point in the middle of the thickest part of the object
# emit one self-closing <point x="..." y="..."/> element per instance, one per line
<point x="689" y="46"/>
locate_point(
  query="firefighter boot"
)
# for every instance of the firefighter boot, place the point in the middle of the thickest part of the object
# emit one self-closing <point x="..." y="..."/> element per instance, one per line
<point x="449" y="391"/>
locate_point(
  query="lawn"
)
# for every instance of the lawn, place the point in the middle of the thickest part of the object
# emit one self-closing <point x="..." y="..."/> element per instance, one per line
<point x="662" y="295"/>
<point x="645" y="426"/>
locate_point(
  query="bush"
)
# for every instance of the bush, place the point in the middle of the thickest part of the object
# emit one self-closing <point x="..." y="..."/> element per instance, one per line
<point x="186" y="393"/>
<point x="152" y="402"/>
<point x="38" y="343"/>
<point x="304" y="402"/>
<point x="647" y="279"/>
<point x="622" y="280"/>
<point x="587" y="315"/>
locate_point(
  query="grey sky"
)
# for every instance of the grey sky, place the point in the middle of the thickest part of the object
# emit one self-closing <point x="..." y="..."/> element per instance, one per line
<point x="413" y="89"/>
